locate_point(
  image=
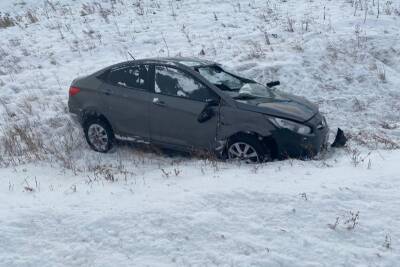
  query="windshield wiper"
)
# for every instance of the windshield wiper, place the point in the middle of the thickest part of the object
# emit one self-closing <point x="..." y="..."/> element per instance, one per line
<point x="245" y="97"/>
<point x="224" y="87"/>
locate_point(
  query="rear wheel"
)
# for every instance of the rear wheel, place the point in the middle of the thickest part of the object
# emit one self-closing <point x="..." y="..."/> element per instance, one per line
<point x="248" y="149"/>
<point x="99" y="135"/>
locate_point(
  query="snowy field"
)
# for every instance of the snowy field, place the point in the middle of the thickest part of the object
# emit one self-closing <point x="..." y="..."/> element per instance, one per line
<point x="62" y="204"/>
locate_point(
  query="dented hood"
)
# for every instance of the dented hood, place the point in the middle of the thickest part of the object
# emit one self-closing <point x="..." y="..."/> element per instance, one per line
<point x="281" y="105"/>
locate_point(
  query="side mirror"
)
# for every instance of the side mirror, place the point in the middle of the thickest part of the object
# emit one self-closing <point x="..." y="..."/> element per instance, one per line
<point x="273" y="84"/>
<point x="207" y="113"/>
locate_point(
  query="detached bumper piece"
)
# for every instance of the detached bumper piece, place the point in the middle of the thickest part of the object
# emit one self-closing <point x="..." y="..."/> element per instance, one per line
<point x="340" y="139"/>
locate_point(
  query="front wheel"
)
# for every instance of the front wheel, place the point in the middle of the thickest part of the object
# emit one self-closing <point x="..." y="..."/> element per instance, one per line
<point x="99" y="135"/>
<point x="248" y="150"/>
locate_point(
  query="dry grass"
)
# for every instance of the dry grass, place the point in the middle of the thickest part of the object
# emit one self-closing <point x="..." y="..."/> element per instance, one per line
<point x="31" y="17"/>
<point x="381" y="72"/>
<point x="21" y="142"/>
<point x="373" y="140"/>
<point x="6" y="21"/>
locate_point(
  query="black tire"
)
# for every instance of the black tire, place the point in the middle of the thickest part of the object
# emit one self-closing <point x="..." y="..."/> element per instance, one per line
<point x="239" y="143"/>
<point x="104" y="142"/>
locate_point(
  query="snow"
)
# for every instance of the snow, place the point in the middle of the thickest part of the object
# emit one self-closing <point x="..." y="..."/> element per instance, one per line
<point x="270" y="215"/>
<point x="62" y="204"/>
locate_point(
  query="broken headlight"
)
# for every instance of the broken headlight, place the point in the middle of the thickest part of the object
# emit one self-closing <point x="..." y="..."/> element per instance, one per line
<point x="291" y="125"/>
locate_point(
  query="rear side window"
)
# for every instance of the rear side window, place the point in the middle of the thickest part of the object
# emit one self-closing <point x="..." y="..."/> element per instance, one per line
<point x="173" y="82"/>
<point x="130" y="77"/>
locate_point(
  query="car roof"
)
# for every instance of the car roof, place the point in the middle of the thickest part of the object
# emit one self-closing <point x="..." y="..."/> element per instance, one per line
<point x="187" y="61"/>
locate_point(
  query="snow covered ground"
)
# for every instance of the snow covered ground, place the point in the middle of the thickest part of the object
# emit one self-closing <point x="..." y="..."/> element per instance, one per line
<point x="64" y="205"/>
<point x="277" y="214"/>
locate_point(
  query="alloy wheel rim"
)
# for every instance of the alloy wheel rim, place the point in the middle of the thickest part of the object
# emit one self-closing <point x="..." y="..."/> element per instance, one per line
<point x="243" y="152"/>
<point x="98" y="137"/>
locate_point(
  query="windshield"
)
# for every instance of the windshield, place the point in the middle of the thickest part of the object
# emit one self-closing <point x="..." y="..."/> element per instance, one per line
<point x="237" y="87"/>
<point x="217" y="76"/>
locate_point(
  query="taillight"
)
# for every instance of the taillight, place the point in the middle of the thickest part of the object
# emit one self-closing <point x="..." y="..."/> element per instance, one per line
<point x="73" y="90"/>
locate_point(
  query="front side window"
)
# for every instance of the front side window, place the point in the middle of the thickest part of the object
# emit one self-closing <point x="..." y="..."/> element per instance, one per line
<point x="173" y="82"/>
<point x="129" y="76"/>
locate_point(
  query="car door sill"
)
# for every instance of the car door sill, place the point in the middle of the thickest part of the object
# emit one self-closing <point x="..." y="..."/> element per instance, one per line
<point x="141" y="140"/>
<point x="136" y="139"/>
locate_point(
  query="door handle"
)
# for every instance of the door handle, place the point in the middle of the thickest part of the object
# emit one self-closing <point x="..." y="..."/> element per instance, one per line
<point x="158" y="102"/>
<point x="107" y="93"/>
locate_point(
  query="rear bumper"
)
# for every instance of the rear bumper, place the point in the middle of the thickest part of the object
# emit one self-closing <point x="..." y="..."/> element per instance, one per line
<point x="74" y="111"/>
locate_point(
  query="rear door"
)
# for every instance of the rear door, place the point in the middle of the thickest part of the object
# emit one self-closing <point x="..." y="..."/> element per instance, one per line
<point x="127" y="100"/>
<point x="176" y="103"/>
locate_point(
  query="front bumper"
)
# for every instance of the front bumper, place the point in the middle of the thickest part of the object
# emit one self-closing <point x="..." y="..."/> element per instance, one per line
<point x="294" y="145"/>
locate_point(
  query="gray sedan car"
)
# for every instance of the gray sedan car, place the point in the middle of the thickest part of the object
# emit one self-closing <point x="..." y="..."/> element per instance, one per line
<point x="189" y="104"/>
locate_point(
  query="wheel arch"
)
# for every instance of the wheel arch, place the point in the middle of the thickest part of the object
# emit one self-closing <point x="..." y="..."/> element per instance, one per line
<point x="266" y="141"/>
<point x="90" y="114"/>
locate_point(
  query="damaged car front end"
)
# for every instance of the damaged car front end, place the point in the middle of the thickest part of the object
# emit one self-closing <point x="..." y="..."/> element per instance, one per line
<point x="195" y="105"/>
<point x="301" y="143"/>
<point x="286" y="126"/>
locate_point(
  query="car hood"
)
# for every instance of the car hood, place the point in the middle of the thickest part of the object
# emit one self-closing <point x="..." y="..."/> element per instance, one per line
<point x="281" y="105"/>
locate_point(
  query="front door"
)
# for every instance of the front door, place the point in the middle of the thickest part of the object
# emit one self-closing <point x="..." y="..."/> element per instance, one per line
<point x="127" y="100"/>
<point x="176" y="103"/>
